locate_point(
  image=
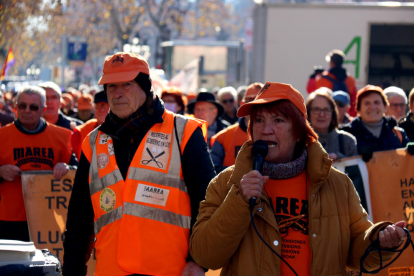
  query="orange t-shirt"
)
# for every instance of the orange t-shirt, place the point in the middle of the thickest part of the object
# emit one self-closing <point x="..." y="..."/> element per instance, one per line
<point x="289" y="199"/>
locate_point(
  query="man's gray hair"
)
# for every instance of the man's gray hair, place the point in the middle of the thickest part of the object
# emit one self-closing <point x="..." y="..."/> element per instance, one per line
<point x="53" y="86"/>
<point x="393" y="91"/>
<point x="227" y="90"/>
<point x="33" y="90"/>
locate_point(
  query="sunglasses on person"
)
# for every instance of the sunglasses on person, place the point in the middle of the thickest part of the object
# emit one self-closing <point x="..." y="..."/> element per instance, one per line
<point x="340" y="104"/>
<point x="32" y="107"/>
<point x="228" y="101"/>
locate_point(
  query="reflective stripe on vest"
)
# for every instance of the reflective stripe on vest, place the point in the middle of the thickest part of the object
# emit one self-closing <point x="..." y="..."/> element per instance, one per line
<point x="107" y="219"/>
<point x="165" y="216"/>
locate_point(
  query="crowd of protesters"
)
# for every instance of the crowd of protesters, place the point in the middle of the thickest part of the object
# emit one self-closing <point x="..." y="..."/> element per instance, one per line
<point x="348" y="122"/>
<point x="45" y="128"/>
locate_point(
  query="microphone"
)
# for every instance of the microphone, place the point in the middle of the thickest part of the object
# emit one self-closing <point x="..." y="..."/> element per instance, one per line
<point x="259" y="152"/>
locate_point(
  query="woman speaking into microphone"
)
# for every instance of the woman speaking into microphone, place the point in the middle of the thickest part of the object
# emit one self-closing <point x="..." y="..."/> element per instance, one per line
<point x="305" y="217"/>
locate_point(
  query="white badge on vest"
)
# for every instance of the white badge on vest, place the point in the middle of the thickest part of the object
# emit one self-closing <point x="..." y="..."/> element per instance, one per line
<point x="152" y="195"/>
<point x="104" y="138"/>
<point x="111" y="150"/>
<point x="156" y="150"/>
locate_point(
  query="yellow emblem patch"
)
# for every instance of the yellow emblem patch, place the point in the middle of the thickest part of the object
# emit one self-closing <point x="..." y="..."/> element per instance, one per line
<point x="107" y="200"/>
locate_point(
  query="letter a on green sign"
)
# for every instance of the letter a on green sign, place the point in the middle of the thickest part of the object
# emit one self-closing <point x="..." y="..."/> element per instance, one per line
<point x="357" y="41"/>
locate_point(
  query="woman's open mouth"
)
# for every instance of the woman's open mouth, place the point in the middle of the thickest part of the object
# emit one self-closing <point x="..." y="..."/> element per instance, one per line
<point x="271" y="144"/>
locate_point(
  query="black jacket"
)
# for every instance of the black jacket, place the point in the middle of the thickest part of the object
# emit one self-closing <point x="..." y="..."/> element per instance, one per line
<point x="65" y="122"/>
<point x="197" y="169"/>
<point x="367" y="143"/>
<point x="408" y="125"/>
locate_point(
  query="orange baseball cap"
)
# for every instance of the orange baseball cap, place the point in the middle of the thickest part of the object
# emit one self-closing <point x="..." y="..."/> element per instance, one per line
<point x="252" y="91"/>
<point x="272" y="92"/>
<point x="371" y="88"/>
<point x="123" y="67"/>
<point x="85" y="102"/>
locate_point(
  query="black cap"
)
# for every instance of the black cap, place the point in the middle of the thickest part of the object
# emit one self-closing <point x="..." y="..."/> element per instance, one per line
<point x="100" y="97"/>
<point x="206" y="97"/>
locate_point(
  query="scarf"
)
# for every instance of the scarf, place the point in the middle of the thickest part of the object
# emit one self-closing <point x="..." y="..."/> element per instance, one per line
<point x="286" y="170"/>
<point x="140" y="121"/>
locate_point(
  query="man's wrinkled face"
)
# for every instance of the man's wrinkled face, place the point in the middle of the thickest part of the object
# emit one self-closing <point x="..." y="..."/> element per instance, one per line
<point x="52" y="103"/>
<point x="125" y="98"/>
<point x="206" y="111"/>
<point x="29" y="110"/>
<point x="397" y="107"/>
<point x="101" y="110"/>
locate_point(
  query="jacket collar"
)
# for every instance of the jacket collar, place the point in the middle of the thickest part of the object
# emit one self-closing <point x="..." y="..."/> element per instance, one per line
<point x="318" y="165"/>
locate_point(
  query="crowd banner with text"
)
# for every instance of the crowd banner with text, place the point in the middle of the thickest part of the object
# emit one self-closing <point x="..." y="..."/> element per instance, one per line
<point x="391" y="178"/>
<point x="390" y="196"/>
<point x="46" y="201"/>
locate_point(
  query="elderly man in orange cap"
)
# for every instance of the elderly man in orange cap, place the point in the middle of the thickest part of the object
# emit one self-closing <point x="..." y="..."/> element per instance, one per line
<point x="85" y="108"/>
<point x="141" y="178"/>
<point x="227" y="143"/>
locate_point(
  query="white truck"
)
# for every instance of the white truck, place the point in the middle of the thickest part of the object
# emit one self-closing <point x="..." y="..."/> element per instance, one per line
<point x="377" y="38"/>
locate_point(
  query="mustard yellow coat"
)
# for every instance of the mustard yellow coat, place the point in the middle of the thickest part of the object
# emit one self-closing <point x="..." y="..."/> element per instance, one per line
<point x="339" y="229"/>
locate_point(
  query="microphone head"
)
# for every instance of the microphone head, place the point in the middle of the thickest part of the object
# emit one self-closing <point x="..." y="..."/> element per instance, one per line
<point x="259" y="148"/>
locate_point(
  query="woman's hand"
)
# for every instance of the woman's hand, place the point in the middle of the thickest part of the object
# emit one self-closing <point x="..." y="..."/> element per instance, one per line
<point x="251" y="185"/>
<point x="392" y="235"/>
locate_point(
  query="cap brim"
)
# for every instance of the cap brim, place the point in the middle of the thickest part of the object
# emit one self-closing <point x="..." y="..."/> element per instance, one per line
<point x="118" y="77"/>
<point x="245" y="109"/>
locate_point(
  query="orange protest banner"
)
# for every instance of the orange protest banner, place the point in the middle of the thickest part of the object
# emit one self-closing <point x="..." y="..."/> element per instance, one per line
<point x="46" y="201"/>
<point x="391" y="179"/>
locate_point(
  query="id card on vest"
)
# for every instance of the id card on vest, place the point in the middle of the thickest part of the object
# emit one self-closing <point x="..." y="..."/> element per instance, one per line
<point x="156" y="151"/>
<point x="150" y="194"/>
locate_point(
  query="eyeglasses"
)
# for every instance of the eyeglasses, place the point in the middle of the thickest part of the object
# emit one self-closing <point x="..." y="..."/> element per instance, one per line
<point x="32" y="107"/>
<point x="227" y="101"/>
<point x="317" y="111"/>
<point x="340" y="104"/>
<point x="396" y="106"/>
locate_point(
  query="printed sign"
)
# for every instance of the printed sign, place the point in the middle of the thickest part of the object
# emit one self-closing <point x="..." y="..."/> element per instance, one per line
<point x="150" y="194"/>
<point x="46" y="200"/>
<point x="391" y="177"/>
<point x="156" y="150"/>
<point x="401" y="271"/>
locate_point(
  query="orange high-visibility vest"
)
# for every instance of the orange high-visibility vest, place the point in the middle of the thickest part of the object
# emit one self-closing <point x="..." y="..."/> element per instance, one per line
<point x="232" y="139"/>
<point x="34" y="152"/>
<point x="79" y="133"/>
<point x="142" y="224"/>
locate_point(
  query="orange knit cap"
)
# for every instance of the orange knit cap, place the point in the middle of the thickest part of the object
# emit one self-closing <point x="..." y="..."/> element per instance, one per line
<point x="272" y="92"/>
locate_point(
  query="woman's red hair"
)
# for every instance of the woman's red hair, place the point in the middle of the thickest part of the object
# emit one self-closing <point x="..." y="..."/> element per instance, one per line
<point x="301" y="128"/>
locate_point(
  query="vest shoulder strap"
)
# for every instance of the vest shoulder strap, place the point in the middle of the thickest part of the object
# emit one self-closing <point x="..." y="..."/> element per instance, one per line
<point x="89" y="144"/>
